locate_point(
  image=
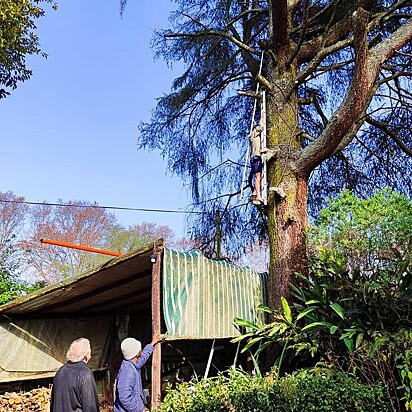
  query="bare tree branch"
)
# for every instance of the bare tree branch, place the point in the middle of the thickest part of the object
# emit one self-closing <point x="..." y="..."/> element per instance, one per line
<point x="385" y="128"/>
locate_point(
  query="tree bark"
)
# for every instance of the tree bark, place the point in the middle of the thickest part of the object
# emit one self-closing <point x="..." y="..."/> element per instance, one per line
<point x="288" y="191"/>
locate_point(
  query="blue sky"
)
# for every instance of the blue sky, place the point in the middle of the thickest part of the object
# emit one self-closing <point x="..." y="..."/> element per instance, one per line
<point x="70" y="132"/>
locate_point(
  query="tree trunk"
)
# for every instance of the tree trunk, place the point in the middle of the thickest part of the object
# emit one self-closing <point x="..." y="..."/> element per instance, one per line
<point x="288" y="191"/>
<point x="287" y="222"/>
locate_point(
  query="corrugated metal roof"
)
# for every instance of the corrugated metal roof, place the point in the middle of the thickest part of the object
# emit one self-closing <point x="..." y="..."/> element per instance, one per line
<point x="201" y="297"/>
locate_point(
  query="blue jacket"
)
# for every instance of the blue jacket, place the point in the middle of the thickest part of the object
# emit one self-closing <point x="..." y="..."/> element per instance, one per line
<point x="129" y="388"/>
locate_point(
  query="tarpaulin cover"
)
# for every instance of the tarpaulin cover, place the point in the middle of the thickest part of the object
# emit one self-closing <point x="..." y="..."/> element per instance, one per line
<point x="201" y="297"/>
<point x="39" y="346"/>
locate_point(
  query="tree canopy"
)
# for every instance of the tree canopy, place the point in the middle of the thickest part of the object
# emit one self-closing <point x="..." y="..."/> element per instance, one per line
<point x="337" y="76"/>
<point x="18" y="40"/>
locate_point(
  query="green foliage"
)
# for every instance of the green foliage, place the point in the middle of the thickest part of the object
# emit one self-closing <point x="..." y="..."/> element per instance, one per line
<point x="17" y="40"/>
<point x="244" y="393"/>
<point x="11" y="287"/>
<point x="373" y="235"/>
<point x="284" y="330"/>
<point x="403" y="361"/>
<point x="352" y="310"/>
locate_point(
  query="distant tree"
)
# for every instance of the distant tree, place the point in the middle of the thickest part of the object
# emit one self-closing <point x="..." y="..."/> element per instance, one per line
<point x="13" y="215"/>
<point x="124" y="240"/>
<point x="257" y="257"/>
<point x="186" y="244"/>
<point x="18" y="40"/>
<point x="76" y="222"/>
<point x="337" y="76"/>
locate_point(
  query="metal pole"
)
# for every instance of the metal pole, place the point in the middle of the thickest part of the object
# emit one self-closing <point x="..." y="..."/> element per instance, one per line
<point x="263" y="145"/>
<point x="236" y="355"/>
<point x="210" y="359"/>
<point x="79" y="247"/>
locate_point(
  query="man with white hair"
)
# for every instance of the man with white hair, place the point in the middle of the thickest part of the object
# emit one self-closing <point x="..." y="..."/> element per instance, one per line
<point x="74" y="388"/>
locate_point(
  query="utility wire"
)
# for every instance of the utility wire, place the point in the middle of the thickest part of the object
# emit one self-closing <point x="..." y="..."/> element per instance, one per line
<point x="98" y="206"/>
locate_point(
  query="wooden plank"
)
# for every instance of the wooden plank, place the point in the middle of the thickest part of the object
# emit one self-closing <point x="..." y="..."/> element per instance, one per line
<point x="156" y="328"/>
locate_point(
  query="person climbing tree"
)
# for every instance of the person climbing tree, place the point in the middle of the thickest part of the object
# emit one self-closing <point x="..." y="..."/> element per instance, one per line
<point x="256" y="165"/>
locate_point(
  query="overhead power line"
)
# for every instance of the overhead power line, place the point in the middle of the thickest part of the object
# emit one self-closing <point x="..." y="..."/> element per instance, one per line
<point x="99" y="206"/>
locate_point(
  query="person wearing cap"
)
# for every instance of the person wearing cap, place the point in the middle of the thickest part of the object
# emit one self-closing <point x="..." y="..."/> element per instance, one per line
<point x="74" y="388"/>
<point x="129" y="387"/>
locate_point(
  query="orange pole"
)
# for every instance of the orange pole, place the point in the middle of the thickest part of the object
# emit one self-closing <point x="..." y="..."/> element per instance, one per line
<point x="87" y="249"/>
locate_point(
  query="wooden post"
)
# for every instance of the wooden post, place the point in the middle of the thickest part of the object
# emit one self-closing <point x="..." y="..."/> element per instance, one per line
<point x="112" y="369"/>
<point x="156" y="259"/>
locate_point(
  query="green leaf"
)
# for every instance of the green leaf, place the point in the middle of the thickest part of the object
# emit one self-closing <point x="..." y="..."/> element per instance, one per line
<point x="245" y="323"/>
<point x="263" y="347"/>
<point x="359" y="340"/>
<point x="286" y="309"/>
<point x="264" y="308"/>
<point x="333" y="329"/>
<point x="310" y="302"/>
<point x="256" y="366"/>
<point x="251" y="343"/>
<point x="305" y="312"/>
<point x="317" y="324"/>
<point x="242" y="337"/>
<point x="338" y="309"/>
<point x="349" y="343"/>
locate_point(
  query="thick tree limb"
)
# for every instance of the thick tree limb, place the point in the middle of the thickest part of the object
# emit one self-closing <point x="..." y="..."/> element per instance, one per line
<point x="278" y="25"/>
<point x="365" y="73"/>
<point x="354" y="128"/>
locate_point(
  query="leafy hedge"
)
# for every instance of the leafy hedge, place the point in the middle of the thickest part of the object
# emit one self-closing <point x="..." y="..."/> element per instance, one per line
<point x="304" y="393"/>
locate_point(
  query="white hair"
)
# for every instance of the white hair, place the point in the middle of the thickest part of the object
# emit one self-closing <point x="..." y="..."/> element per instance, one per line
<point x="79" y="350"/>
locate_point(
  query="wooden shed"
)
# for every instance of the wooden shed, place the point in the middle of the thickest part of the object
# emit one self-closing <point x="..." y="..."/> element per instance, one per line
<point x="183" y="296"/>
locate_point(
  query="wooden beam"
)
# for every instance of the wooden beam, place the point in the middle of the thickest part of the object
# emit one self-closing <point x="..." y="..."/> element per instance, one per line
<point x="156" y="328"/>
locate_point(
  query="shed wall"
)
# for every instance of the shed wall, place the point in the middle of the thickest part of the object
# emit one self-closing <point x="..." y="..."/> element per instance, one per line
<point x="201" y="297"/>
<point x="39" y="346"/>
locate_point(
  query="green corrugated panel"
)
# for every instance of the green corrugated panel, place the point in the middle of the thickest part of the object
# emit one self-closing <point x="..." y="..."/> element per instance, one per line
<point x="201" y="297"/>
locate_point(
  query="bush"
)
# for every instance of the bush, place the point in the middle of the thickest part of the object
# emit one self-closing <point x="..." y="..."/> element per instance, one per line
<point x="326" y="392"/>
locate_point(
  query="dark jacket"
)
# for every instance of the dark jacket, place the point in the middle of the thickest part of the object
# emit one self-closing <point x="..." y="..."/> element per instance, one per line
<point x="74" y="389"/>
<point x="129" y="388"/>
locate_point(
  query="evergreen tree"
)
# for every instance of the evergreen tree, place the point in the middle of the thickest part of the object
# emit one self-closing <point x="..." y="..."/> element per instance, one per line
<point x="337" y="76"/>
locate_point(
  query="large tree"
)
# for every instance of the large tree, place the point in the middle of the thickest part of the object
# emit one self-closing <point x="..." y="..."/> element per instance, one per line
<point x="18" y="40"/>
<point x="76" y="222"/>
<point x="337" y="75"/>
<point x="13" y="215"/>
<point x="84" y="224"/>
